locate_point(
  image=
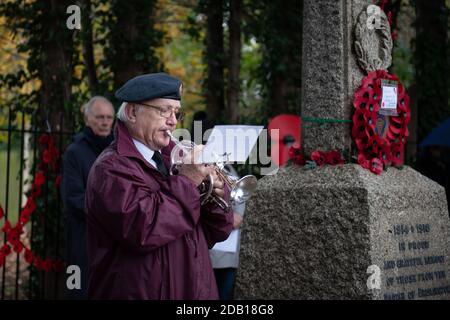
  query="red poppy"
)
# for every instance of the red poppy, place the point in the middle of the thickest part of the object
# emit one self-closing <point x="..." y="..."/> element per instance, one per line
<point x="385" y="153"/>
<point x="38" y="263"/>
<point x="363" y="161"/>
<point x="375" y="143"/>
<point x="29" y="257"/>
<point x="24" y="217"/>
<point x="403" y="100"/>
<point x="318" y="157"/>
<point x="2" y="213"/>
<point x="13" y="236"/>
<point x="376" y="166"/>
<point x="359" y="131"/>
<point x="397" y="154"/>
<point x="46" y="157"/>
<point x="35" y="191"/>
<point x="39" y="178"/>
<point x="297" y="156"/>
<point x="6" y="227"/>
<point x="362" y="143"/>
<point x="333" y="157"/>
<point x="43" y="138"/>
<point x="58" y="181"/>
<point x="30" y="206"/>
<point x="18" y="247"/>
<point x="5" y="250"/>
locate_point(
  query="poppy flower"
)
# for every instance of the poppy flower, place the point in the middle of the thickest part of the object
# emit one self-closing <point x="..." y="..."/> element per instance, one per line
<point x="334" y="157"/>
<point x="43" y="139"/>
<point x="18" y="247"/>
<point x="2" y="213"/>
<point x="363" y="161"/>
<point x="360" y="99"/>
<point x="397" y="154"/>
<point x="318" y="157"/>
<point x="30" y="206"/>
<point x="403" y="102"/>
<point x="384" y="153"/>
<point x="359" y="130"/>
<point x="29" y="257"/>
<point x="46" y="157"/>
<point x="37" y="262"/>
<point x="358" y="117"/>
<point x="5" y="250"/>
<point x="404" y="132"/>
<point x="35" y="191"/>
<point x="362" y="143"/>
<point x="376" y="166"/>
<point x="297" y="156"/>
<point x="24" y="217"/>
<point x="13" y="236"/>
<point x="6" y="227"/>
<point x="39" y="178"/>
<point x="375" y="143"/>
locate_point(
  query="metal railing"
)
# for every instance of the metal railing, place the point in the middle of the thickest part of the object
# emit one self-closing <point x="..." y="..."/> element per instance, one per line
<point x="24" y="281"/>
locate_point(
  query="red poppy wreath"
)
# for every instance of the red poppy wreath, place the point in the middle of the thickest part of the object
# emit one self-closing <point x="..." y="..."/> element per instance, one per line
<point x="379" y="138"/>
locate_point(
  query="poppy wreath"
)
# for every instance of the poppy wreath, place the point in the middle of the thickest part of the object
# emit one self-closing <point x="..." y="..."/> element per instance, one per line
<point x="375" y="152"/>
<point x="50" y="160"/>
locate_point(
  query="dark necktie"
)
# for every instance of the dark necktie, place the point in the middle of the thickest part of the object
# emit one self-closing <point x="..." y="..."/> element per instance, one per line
<point x="159" y="163"/>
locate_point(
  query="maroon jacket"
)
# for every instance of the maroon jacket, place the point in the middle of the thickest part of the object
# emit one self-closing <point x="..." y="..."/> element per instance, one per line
<point x="148" y="237"/>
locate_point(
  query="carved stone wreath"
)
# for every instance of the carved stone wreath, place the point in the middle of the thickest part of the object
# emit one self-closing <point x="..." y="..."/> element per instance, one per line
<point x="373" y="45"/>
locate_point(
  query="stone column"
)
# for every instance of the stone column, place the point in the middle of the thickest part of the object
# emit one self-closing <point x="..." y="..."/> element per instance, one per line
<point x="341" y="232"/>
<point x="330" y="74"/>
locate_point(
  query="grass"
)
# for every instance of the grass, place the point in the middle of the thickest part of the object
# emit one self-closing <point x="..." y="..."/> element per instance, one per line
<point x="14" y="175"/>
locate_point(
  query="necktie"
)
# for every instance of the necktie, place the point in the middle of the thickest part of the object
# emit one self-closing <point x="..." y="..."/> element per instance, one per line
<point x="159" y="163"/>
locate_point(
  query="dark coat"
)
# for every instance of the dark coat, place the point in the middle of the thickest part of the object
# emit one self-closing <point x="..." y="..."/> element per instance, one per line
<point x="78" y="160"/>
<point x="148" y="237"/>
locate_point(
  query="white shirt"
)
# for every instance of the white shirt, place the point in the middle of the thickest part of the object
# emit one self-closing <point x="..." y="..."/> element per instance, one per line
<point x="146" y="152"/>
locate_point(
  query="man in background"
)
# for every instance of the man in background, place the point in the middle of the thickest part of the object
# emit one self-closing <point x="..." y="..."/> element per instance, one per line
<point x="78" y="159"/>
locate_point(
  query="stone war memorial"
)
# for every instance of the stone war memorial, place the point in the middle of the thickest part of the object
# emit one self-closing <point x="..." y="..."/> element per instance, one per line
<point x="347" y="231"/>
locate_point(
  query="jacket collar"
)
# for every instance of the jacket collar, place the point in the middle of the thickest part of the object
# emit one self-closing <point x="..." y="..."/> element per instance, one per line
<point x="126" y="147"/>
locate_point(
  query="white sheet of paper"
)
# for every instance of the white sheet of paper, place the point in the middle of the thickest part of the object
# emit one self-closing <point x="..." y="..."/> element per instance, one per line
<point x="229" y="245"/>
<point x="235" y="140"/>
<point x="389" y="99"/>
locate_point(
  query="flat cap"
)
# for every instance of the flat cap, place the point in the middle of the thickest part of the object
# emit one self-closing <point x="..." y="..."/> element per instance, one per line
<point x="150" y="86"/>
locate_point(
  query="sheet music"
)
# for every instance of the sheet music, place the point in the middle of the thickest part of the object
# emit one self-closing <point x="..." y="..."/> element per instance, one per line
<point x="232" y="143"/>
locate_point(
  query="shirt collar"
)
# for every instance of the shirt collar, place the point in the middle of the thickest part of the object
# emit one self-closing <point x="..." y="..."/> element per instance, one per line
<point x="145" y="151"/>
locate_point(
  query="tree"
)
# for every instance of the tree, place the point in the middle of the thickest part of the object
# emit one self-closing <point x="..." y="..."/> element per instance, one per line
<point x="132" y="40"/>
<point x="234" y="60"/>
<point x="215" y="59"/>
<point x="431" y="62"/>
<point x="277" y="26"/>
<point x="88" y="47"/>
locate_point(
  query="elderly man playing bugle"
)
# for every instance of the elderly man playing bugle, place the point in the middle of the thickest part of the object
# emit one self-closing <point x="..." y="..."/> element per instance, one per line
<point x="148" y="234"/>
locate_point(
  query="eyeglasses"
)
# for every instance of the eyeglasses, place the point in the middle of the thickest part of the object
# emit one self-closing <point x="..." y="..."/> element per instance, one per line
<point x="165" y="112"/>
